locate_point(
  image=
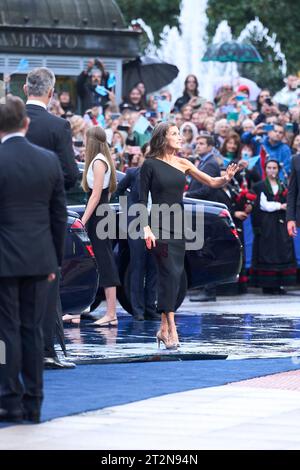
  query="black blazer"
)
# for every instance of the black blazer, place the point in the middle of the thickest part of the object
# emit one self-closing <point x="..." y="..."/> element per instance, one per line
<point x="53" y="133"/>
<point x="32" y="210"/>
<point x="199" y="190"/>
<point x="130" y="181"/>
<point x="293" y="198"/>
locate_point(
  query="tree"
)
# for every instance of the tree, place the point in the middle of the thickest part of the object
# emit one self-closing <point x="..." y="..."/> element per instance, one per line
<point x="156" y="13"/>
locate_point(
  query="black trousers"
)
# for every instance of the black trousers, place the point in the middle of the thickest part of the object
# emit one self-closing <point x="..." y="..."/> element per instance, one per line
<point x="53" y="312"/>
<point x="143" y="278"/>
<point x="22" y="307"/>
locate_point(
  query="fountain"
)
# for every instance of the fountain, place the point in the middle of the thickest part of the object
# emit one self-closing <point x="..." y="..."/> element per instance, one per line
<point x="185" y="48"/>
<point x="186" y="45"/>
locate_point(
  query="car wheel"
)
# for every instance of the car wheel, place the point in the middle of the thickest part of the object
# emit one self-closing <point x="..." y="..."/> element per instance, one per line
<point x="123" y="292"/>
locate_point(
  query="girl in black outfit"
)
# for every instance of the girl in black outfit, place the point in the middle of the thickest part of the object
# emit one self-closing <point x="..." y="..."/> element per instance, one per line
<point x="99" y="180"/>
<point x="273" y="257"/>
<point x="164" y="175"/>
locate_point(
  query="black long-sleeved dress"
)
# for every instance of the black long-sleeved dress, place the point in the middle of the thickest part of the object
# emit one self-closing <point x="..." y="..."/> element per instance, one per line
<point x="166" y="185"/>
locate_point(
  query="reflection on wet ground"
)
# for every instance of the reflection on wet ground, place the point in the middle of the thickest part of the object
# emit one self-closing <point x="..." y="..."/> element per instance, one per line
<point x="245" y="335"/>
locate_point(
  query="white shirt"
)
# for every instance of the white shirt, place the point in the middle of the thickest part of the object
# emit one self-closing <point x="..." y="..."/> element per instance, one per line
<point x="90" y="172"/>
<point x="13" y="134"/>
<point x="37" y="103"/>
<point x="268" y="206"/>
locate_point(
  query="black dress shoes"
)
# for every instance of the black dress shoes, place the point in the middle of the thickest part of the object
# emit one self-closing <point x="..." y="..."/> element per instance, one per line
<point x="32" y="417"/>
<point x="55" y="363"/>
<point x="152" y="316"/>
<point x="138" y="317"/>
<point x="10" y="416"/>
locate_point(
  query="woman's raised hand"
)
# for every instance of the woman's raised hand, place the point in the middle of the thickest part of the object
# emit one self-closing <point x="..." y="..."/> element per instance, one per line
<point x="231" y="171"/>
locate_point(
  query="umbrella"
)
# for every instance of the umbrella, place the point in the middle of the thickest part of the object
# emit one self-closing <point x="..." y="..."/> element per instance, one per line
<point x="154" y="73"/>
<point x="235" y="82"/>
<point x="232" y="51"/>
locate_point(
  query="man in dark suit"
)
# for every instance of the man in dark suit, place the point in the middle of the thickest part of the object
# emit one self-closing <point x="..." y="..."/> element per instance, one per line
<point x="208" y="164"/>
<point x="32" y="232"/>
<point x="143" y="274"/>
<point x="293" y="198"/>
<point x="52" y="133"/>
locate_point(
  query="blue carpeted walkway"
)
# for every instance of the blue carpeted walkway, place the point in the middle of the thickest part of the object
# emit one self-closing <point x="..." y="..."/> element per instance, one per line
<point x="91" y="387"/>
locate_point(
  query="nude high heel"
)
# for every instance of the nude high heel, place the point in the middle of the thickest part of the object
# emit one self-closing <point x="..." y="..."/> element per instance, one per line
<point x="162" y="338"/>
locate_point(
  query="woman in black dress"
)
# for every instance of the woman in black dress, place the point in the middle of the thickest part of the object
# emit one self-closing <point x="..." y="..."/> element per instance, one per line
<point x="99" y="180"/>
<point x="164" y="175"/>
<point x="273" y="255"/>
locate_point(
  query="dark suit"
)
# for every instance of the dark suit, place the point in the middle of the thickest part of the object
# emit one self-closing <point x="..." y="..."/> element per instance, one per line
<point x="143" y="275"/>
<point x="293" y="198"/>
<point x="53" y="133"/>
<point x="211" y="167"/>
<point x="32" y="232"/>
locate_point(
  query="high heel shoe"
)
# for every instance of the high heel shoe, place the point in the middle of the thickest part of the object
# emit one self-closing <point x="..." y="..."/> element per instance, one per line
<point x="162" y="338"/>
<point x="174" y="341"/>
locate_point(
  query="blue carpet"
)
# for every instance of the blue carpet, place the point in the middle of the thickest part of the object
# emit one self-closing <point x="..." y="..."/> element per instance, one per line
<point x="92" y="387"/>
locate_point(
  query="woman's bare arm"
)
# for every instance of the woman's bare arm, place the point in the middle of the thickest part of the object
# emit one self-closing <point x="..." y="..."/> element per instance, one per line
<point x="99" y="169"/>
<point x="204" y="178"/>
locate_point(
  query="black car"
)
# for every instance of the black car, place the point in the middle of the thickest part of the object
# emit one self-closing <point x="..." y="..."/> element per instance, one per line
<point x="218" y="261"/>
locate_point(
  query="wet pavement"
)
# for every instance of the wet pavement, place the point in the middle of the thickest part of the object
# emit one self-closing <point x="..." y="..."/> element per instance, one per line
<point x="249" y="326"/>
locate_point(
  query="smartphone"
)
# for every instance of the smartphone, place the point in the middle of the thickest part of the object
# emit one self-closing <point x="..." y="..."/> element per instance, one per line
<point x="268" y="127"/>
<point x="289" y="127"/>
<point x="123" y="128"/>
<point x="233" y="116"/>
<point x="115" y="116"/>
<point x="269" y="101"/>
<point x="78" y="143"/>
<point x="150" y="114"/>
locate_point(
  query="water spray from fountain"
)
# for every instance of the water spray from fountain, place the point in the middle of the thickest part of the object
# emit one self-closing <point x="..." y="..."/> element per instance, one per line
<point x="257" y="31"/>
<point x="185" y="46"/>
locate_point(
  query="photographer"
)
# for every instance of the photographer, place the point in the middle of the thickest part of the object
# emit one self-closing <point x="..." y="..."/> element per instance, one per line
<point x="87" y="86"/>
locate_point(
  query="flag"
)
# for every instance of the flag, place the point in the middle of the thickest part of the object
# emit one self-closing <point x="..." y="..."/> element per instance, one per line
<point x="22" y="65"/>
<point x="101" y="90"/>
<point x="111" y="81"/>
<point x="263" y="159"/>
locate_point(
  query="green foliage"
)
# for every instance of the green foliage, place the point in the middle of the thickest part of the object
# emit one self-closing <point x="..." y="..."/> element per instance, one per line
<point x="156" y="13"/>
<point x="281" y="17"/>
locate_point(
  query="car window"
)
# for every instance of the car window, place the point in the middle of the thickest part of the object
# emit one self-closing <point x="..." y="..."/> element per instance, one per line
<point x="76" y="195"/>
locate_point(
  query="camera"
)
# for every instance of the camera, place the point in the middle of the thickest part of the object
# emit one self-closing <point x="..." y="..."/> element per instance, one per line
<point x="269" y="101"/>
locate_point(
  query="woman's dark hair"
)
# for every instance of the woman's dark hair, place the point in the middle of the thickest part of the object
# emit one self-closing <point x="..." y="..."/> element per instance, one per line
<point x="273" y="161"/>
<point x="237" y="139"/>
<point x="158" y="142"/>
<point x="196" y="92"/>
<point x="258" y="104"/>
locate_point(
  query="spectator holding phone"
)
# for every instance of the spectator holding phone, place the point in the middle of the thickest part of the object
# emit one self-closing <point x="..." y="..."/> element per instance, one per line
<point x="190" y="94"/>
<point x="89" y="83"/>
